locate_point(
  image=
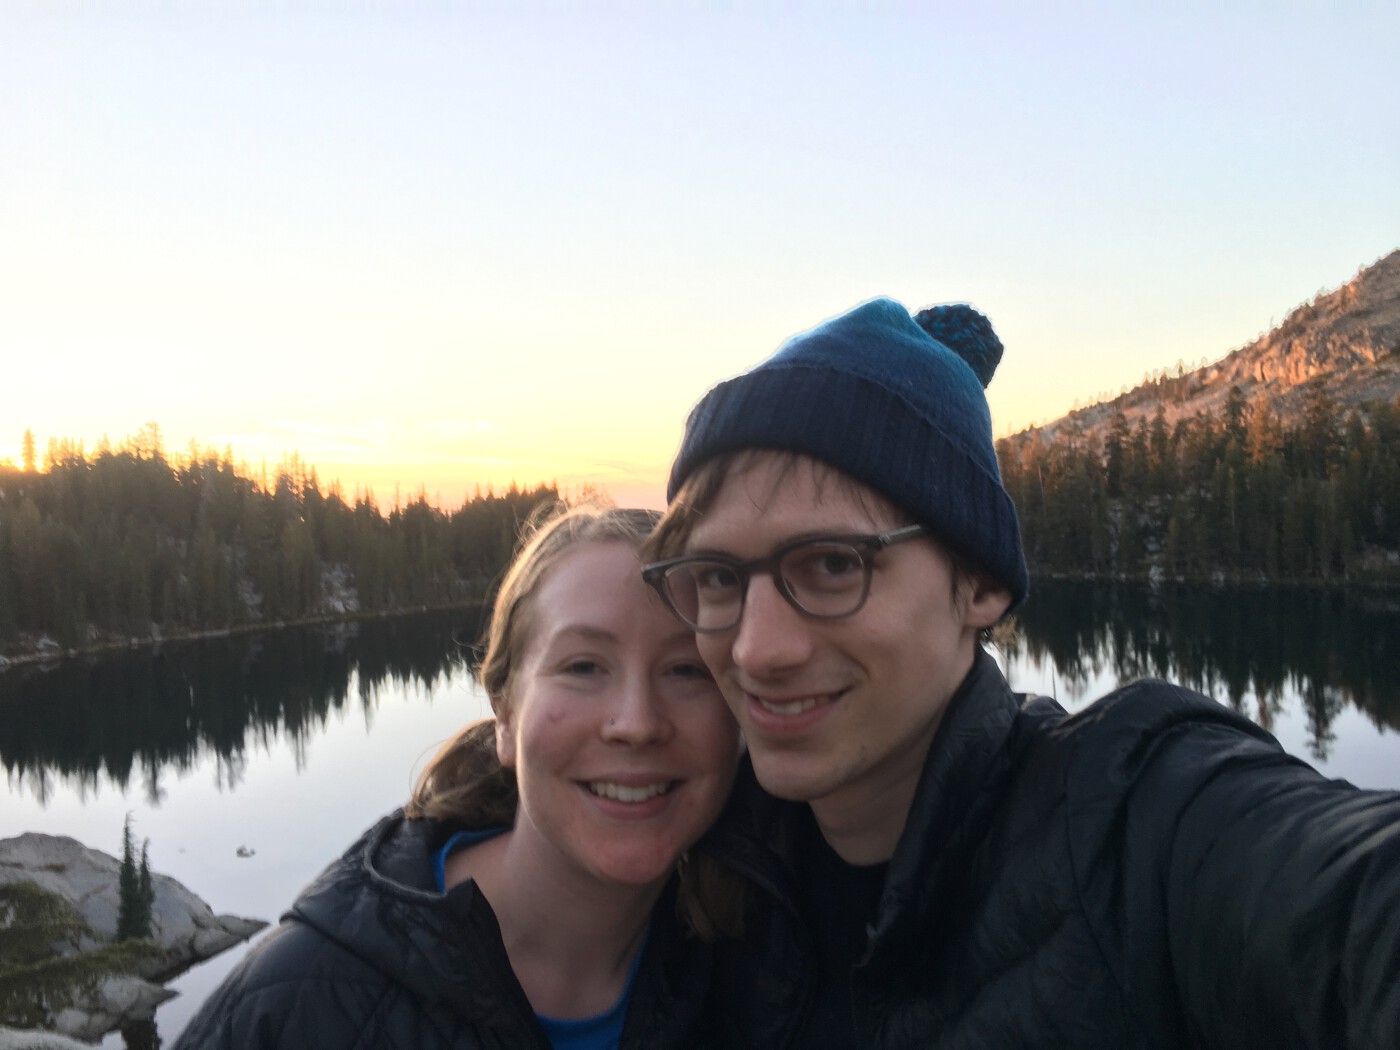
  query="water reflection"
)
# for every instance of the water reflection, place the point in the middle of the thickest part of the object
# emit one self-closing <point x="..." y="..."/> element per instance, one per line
<point x="131" y="717"/>
<point x="1247" y="648"/>
<point x="277" y="715"/>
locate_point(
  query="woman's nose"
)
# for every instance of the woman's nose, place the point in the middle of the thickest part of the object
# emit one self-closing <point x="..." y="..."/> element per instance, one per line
<point x="637" y="714"/>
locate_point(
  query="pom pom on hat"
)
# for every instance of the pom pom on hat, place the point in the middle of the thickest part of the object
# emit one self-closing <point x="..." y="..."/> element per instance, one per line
<point x="967" y="333"/>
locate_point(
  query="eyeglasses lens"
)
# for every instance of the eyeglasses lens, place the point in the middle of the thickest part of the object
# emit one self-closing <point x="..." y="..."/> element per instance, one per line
<point x="822" y="578"/>
<point x="709" y="595"/>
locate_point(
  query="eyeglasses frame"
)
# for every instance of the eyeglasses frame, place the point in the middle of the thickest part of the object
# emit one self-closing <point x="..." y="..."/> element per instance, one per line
<point x="866" y="546"/>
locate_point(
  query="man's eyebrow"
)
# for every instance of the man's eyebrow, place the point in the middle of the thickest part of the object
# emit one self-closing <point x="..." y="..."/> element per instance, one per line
<point x="831" y="533"/>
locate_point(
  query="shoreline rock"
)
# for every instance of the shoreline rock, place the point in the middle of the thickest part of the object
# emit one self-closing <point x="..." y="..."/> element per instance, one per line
<point x="29" y="1039"/>
<point x="83" y="883"/>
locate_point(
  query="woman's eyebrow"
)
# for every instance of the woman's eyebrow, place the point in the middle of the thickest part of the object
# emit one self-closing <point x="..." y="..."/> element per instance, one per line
<point x="581" y="632"/>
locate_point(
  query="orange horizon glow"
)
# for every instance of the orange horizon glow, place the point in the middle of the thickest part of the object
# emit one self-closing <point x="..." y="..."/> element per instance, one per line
<point x="465" y="246"/>
<point x="445" y="480"/>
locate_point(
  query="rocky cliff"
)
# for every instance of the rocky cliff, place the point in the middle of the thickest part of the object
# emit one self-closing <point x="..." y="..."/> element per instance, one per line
<point x="1347" y="339"/>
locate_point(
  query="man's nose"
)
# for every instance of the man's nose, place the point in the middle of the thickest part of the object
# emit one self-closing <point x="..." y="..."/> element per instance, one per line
<point x="772" y="636"/>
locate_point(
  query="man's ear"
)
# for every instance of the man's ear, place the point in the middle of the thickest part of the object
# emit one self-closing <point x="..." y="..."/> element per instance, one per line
<point x="986" y="602"/>
<point x="505" y="737"/>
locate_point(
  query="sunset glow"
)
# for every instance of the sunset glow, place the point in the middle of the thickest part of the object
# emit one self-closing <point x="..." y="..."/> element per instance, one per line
<point x="441" y="248"/>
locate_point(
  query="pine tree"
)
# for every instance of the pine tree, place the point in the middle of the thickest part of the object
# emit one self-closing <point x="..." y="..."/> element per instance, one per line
<point x="128" y="889"/>
<point x="1236" y="407"/>
<point x="136" y="893"/>
<point x="146" y="891"/>
<point x="1116" y="451"/>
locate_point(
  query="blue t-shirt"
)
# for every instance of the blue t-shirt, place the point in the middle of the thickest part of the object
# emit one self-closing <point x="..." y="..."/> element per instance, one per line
<point x="601" y="1031"/>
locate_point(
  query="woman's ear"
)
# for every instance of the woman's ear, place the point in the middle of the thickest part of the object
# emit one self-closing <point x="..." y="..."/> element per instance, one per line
<point x="505" y="737"/>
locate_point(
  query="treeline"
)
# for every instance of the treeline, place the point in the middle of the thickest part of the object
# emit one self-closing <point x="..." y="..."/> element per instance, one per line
<point x="1240" y="493"/>
<point x="130" y="542"/>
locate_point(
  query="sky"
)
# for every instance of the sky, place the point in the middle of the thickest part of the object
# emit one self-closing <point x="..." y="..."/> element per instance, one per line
<point x="441" y="246"/>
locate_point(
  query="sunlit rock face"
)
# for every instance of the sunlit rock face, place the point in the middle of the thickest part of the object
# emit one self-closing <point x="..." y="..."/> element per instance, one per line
<point x="81" y="889"/>
<point x="1347" y="340"/>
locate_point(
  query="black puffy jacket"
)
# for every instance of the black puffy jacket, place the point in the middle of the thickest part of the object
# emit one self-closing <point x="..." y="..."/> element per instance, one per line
<point x="372" y="956"/>
<point x="1151" y="872"/>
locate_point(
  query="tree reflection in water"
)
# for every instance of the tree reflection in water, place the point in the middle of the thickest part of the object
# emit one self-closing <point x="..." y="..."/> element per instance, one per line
<point x="1332" y="648"/>
<point x="132" y="716"/>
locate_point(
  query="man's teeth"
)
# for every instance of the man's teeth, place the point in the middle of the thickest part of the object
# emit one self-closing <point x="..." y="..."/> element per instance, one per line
<point x="623" y="793"/>
<point x="793" y="707"/>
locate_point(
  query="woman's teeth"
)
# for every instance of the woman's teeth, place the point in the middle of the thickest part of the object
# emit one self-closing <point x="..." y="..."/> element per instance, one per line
<point x="623" y="793"/>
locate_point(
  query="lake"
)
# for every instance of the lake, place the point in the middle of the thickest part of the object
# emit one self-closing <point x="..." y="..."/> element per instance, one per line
<point x="286" y="744"/>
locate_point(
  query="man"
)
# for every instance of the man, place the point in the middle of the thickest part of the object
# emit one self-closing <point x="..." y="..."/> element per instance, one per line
<point x="955" y="865"/>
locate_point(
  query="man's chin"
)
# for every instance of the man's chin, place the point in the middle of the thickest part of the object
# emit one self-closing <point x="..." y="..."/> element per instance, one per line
<point x="778" y="776"/>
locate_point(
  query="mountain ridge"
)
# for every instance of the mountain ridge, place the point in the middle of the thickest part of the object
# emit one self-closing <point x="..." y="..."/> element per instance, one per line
<point x="1347" y="338"/>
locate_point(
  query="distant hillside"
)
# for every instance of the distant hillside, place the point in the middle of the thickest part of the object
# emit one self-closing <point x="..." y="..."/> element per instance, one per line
<point x="1279" y="462"/>
<point x="1348" y="339"/>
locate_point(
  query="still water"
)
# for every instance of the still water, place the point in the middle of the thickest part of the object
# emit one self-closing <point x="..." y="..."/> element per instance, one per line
<point x="287" y="744"/>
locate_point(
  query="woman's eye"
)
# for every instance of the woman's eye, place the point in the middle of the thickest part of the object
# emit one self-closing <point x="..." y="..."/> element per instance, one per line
<point x="696" y="670"/>
<point x="581" y="667"/>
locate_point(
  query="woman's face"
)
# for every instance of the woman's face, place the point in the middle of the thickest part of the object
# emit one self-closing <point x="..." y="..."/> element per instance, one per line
<point x="623" y="748"/>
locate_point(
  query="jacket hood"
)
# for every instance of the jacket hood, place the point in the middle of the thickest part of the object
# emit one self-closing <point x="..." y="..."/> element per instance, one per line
<point x="380" y="902"/>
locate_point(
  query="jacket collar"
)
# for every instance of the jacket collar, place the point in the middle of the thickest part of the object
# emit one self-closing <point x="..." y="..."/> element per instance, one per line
<point x="380" y="902"/>
<point x="967" y="765"/>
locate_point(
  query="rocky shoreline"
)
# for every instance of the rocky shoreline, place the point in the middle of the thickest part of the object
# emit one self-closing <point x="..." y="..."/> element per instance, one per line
<point x="44" y="651"/>
<point x="62" y="973"/>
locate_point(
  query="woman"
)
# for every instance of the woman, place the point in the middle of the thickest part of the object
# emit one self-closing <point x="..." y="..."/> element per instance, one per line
<point x="529" y="895"/>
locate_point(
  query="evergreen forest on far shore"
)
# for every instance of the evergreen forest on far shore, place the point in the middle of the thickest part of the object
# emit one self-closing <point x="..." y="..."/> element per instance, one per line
<point x="1239" y="495"/>
<point x="130" y="543"/>
<point x="134" y="544"/>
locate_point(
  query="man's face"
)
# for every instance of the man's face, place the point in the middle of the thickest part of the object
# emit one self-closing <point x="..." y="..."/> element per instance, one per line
<point x="838" y="713"/>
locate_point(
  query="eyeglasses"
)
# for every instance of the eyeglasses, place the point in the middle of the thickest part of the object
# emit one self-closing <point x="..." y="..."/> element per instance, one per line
<point x="826" y="578"/>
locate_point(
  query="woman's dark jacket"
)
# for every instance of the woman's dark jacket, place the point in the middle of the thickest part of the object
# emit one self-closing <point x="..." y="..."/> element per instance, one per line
<point x="1151" y="872"/>
<point x="372" y="956"/>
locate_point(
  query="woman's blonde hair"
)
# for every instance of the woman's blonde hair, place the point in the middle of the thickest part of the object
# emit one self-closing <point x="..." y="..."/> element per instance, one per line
<point x="465" y="781"/>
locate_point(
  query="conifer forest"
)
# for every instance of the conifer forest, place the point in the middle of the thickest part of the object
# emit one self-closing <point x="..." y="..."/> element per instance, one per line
<point x="1241" y="494"/>
<point x="132" y="543"/>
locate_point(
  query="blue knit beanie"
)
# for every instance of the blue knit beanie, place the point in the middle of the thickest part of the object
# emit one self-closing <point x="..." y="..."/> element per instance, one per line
<point x="894" y="401"/>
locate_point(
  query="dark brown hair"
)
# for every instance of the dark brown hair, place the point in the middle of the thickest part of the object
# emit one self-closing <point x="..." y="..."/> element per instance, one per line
<point x="701" y="488"/>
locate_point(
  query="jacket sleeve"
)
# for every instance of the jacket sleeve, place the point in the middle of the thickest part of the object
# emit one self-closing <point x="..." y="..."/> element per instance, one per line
<point x="292" y="991"/>
<point x="1265" y="895"/>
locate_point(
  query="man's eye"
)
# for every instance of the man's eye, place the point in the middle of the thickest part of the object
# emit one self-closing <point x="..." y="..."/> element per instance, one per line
<point x="837" y="563"/>
<point x="824" y="563"/>
<point x="716" y="578"/>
